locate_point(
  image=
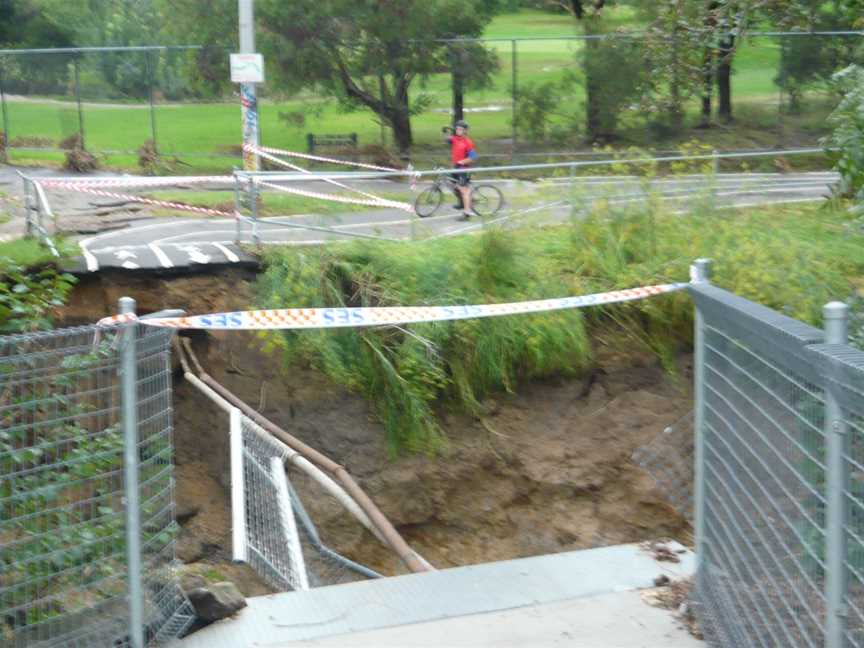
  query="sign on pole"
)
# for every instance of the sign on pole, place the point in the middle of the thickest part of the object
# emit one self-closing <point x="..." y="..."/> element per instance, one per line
<point x="247" y="68"/>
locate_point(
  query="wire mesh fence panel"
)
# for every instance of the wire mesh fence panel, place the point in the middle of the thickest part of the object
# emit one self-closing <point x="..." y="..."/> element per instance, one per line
<point x="271" y="547"/>
<point x="63" y="575"/>
<point x="282" y="541"/>
<point x="669" y="460"/>
<point x="762" y="575"/>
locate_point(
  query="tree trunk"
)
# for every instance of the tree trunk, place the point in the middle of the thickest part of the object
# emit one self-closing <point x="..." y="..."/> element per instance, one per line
<point x="458" y="94"/>
<point x="676" y="109"/>
<point x="707" y="88"/>
<point x="724" y="78"/>
<point x="400" y="119"/>
<point x="457" y="75"/>
<point x="593" y="108"/>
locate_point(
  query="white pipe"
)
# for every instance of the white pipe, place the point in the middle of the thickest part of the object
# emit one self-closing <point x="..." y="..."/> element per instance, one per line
<point x="289" y="524"/>
<point x="323" y="479"/>
<point x="238" y="490"/>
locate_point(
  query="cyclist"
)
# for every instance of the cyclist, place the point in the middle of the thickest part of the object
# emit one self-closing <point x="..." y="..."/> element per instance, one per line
<point x="462" y="154"/>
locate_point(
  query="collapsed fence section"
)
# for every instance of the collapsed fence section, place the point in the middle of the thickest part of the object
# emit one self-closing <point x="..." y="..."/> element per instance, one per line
<point x="271" y="528"/>
<point x="64" y="491"/>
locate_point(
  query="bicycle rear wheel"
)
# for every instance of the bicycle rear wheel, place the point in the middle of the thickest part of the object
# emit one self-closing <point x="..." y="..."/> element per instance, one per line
<point x="428" y="201"/>
<point x="486" y="199"/>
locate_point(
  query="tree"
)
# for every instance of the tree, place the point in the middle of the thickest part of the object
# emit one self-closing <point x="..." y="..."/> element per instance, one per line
<point x="23" y="24"/>
<point x="805" y="60"/>
<point x="674" y="51"/>
<point x="367" y="53"/>
<point x="471" y="66"/>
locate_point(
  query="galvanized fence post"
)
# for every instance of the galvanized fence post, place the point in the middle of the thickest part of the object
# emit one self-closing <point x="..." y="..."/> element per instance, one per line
<point x="238" y="204"/>
<point x="28" y="205"/>
<point x="836" y="317"/>
<point x="515" y="98"/>
<point x="253" y="193"/>
<point x="78" y="101"/>
<point x="6" y="139"/>
<point x="148" y="62"/>
<point x="700" y="273"/>
<point x="129" y="418"/>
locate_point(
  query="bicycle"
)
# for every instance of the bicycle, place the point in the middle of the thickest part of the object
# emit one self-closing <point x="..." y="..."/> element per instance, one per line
<point x="486" y="199"/>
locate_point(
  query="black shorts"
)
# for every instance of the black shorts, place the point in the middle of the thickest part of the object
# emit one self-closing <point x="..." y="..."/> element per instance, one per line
<point x="462" y="179"/>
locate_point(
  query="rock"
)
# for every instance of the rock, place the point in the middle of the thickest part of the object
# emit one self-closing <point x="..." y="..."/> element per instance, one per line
<point x="189" y="582"/>
<point x="186" y="512"/>
<point x="217" y="601"/>
<point x="189" y="548"/>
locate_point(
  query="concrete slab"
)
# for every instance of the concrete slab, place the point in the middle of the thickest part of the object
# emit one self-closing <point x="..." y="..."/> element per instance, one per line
<point x="519" y="588"/>
<point x="620" y="620"/>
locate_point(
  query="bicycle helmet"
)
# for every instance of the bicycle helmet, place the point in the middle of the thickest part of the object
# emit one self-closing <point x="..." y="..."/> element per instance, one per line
<point x="461" y="123"/>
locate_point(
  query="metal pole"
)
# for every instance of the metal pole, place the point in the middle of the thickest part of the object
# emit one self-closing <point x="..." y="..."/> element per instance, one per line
<point x="836" y="316"/>
<point x="700" y="273"/>
<point x="78" y="100"/>
<point x="248" y="94"/>
<point x="515" y="100"/>
<point x="238" y="205"/>
<point x="129" y="417"/>
<point x="6" y="137"/>
<point x="150" y="68"/>
<point x="239" y="552"/>
<point x="28" y="205"/>
<point x="253" y="192"/>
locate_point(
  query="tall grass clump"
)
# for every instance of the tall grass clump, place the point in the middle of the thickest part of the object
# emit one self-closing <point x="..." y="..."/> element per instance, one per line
<point x="790" y="259"/>
<point x="404" y="371"/>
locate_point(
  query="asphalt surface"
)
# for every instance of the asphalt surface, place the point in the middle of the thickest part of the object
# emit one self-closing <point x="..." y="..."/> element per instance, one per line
<point x="120" y="234"/>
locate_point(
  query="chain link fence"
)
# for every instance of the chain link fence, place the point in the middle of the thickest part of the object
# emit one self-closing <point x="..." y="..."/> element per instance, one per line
<point x="64" y="575"/>
<point x="524" y="98"/>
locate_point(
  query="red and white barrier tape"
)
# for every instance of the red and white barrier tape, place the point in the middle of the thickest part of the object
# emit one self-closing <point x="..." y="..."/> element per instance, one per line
<point x="319" y="318"/>
<point x="288" y="165"/>
<point x="318" y="158"/>
<point x="139" y="182"/>
<point x="378" y="202"/>
<point x="68" y="186"/>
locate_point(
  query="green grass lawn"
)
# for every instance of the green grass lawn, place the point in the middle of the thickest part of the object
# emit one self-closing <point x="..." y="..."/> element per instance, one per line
<point x="28" y="252"/>
<point x="205" y="136"/>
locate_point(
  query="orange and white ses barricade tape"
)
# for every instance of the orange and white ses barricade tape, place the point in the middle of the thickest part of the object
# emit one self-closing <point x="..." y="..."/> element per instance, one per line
<point x="320" y="318"/>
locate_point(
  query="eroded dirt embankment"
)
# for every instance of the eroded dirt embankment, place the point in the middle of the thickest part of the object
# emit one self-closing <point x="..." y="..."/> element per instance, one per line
<point x="546" y="470"/>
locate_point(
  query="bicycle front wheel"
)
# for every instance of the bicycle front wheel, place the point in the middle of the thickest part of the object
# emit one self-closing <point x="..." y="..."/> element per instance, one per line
<point x="428" y="201"/>
<point x="486" y="200"/>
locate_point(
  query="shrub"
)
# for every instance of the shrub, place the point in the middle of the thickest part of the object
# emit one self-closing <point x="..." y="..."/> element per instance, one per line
<point x="846" y="143"/>
<point x="29" y="298"/>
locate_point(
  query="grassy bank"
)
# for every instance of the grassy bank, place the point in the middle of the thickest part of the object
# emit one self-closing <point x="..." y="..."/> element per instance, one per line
<point x="791" y="259"/>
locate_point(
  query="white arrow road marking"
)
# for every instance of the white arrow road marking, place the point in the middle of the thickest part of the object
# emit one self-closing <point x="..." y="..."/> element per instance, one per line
<point x="129" y="265"/>
<point x="195" y="254"/>
<point x="92" y="262"/>
<point x="233" y="258"/>
<point x="125" y="254"/>
<point x="163" y="258"/>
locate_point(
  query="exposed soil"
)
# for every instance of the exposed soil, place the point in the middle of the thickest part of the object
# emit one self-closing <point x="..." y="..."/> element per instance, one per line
<point x="545" y="470"/>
